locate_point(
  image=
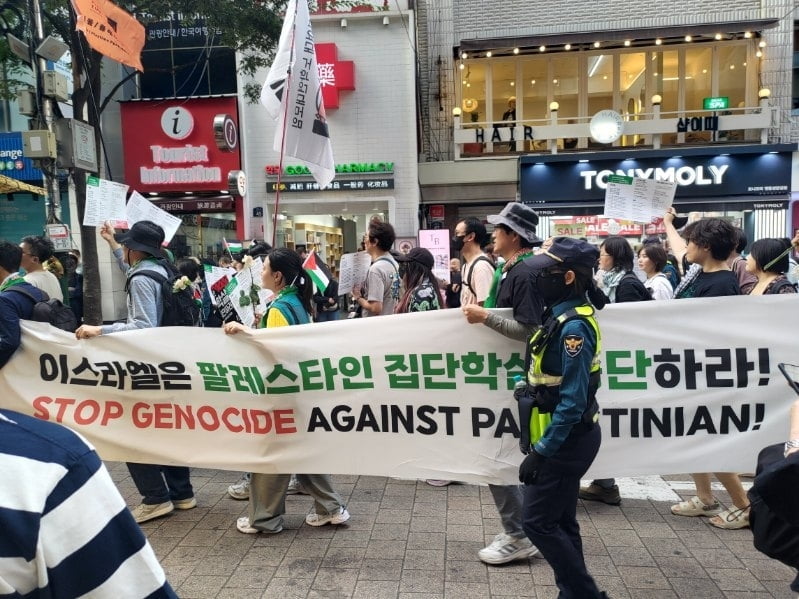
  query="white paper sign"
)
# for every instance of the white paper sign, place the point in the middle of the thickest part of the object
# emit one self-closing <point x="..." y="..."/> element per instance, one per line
<point x="105" y="200"/>
<point x="353" y="270"/>
<point x="637" y="200"/>
<point x="140" y="208"/>
<point x="437" y="241"/>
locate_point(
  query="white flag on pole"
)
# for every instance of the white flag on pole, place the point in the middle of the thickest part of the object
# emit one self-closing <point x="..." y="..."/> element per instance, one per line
<point x="294" y="79"/>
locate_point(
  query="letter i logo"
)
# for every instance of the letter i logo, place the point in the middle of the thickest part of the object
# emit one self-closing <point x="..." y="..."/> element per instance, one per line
<point x="177" y="122"/>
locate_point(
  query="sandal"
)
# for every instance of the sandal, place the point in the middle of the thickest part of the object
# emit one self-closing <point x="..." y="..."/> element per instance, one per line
<point x="695" y="507"/>
<point x="732" y="519"/>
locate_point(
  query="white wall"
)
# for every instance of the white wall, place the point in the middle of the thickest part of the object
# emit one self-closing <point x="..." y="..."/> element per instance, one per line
<point x="374" y="123"/>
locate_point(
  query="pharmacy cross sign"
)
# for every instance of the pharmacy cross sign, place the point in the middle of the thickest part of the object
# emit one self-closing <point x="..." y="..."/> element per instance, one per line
<point x="334" y="75"/>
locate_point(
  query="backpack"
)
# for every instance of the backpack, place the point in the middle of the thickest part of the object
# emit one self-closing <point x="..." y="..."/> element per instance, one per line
<point x="640" y="289"/>
<point x="774" y="496"/>
<point x="779" y="285"/>
<point x="468" y="281"/>
<point x="179" y="307"/>
<point x="52" y="311"/>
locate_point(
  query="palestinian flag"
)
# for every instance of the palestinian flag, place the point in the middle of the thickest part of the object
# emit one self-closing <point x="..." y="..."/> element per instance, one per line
<point x="232" y="246"/>
<point x="317" y="275"/>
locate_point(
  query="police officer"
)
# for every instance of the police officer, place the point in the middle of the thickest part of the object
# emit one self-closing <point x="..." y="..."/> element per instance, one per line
<point x="559" y="412"/>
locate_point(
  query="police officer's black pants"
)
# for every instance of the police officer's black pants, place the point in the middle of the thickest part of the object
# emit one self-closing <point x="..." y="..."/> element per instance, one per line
<point x="550" y="507"/>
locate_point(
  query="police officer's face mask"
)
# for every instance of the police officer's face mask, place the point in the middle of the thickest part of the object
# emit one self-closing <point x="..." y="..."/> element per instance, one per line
<point x="552" y="286"/>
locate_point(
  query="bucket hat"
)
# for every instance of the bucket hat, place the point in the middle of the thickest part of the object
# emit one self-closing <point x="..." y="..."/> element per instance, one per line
<point x="143" y="236"/>
<point x="520" y="218"/>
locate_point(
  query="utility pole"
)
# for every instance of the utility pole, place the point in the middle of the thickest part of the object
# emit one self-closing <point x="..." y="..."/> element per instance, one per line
<point x="46" y="115"/>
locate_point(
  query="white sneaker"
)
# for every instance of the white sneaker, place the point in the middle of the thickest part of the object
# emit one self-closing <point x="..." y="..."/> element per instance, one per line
<point x="340" y="516"/>
<point x="505" y="548"/>
<point x="145" y="511"/>
<point x="243" y="525"/>
<point x="241" y="488"/>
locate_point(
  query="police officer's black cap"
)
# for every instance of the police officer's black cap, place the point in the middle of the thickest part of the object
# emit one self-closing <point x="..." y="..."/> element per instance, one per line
<point x="566" y="252"/>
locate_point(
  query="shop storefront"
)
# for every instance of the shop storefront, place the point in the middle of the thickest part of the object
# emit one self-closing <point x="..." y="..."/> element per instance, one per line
<point x="750" y="184"/>
<point x="184" y="156"/>
<point x="365" y="63"/>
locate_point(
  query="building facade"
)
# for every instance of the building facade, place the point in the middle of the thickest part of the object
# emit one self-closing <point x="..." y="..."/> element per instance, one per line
<point x="531" y="98"/>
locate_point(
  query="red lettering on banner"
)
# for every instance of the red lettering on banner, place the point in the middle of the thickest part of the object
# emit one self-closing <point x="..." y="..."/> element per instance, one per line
<point x="113" y="409"/>
<point x="85" y="412"/>
<point x="284" y="422"/>
<point x="94" y="412"/>
<point x="139" y="420"/>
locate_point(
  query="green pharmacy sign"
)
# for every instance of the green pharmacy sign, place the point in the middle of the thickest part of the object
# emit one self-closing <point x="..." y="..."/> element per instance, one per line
<point x="721" y="103"/>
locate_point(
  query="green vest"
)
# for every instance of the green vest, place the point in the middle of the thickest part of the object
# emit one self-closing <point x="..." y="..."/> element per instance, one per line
<point x="549" y="384"/>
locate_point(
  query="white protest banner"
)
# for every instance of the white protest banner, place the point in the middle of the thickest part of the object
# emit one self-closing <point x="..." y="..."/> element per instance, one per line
<point x="353" y="270"/>
<point x="213" y="274"/>
<point x="105" y="200"/>
<point x="638" y="200"/>
<point x="682" y="391"/>
<point x="249" y="299"/>
<point x="140" y="208"/>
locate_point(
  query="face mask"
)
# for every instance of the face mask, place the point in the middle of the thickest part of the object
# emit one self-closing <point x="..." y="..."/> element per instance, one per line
<point x="457" y="242"/>
<point x="552" y="287"/>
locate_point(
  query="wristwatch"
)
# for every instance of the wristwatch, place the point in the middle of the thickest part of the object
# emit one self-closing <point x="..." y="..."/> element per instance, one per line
<point x="789" y="445"/>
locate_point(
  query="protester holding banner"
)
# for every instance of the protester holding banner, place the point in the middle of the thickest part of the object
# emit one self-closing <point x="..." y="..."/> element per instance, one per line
<point x="707" y="244"/>
<point x="559" y="412"/>
<point x="163" y="488"/>
<point x="478" y="268"/>
<point x="620" y="284"/>
<point x="514" y="239"/>
<point x="768" y="261"/>
<point x="284" y="276"/>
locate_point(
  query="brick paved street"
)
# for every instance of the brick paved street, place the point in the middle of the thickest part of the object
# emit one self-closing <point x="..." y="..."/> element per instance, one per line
<point x="409" y="540"/>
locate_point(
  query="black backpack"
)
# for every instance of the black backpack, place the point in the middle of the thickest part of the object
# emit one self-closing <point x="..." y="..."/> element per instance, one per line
<point x="179" y="307"/>
<point x="774" y="496"/>
<point x="779" y="285"/>
<point x="48" y="310"/>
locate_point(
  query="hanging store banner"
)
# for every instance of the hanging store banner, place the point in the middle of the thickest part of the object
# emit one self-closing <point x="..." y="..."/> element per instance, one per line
<point x="682" y="391"/>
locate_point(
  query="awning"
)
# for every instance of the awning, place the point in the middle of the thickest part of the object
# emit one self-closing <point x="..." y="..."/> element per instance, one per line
<point x="644" y="34"/>
<point x="9" y="185"/>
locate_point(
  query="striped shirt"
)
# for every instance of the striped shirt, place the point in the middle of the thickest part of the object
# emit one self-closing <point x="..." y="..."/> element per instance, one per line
<point x="65" y="531"/>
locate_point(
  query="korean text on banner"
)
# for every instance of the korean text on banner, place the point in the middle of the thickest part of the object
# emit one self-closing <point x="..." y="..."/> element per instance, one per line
<point x="675" y="398"/>
<point x="111" y="31"/>
<point x="292" y="95"/>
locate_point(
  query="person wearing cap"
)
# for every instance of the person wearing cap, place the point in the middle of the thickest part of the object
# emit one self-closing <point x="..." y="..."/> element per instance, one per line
<point x="558" y="413"/>
<point x="163" y="488"/>
<point x="421" y="292"/>
<point x="514" y="239"/>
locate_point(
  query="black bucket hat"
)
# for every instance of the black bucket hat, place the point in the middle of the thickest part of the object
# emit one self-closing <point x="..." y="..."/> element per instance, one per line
<point x="143" y="236"/>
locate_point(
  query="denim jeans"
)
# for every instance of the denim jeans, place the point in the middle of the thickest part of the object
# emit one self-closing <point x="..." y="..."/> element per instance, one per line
<point x="159" y="484"/>
<point x="326" y="316"/>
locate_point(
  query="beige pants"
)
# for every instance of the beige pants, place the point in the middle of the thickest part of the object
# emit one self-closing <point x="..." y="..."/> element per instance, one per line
<point x="268" y="497"/>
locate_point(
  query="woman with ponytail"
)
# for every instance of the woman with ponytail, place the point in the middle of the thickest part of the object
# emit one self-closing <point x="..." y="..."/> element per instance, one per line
<point x="284" y="276"/>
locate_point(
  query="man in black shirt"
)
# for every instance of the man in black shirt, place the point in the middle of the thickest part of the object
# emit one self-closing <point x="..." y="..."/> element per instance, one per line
<point x="514" y="238"/>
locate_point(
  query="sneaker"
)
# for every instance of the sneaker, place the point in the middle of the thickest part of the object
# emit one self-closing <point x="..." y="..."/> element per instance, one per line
<point x="185" y="504"/>
<point x="243" y="525"/>
<point x="594" y="492"/>
<point x="295" y="487"/>
<point x="150" y="511"/>
<point x="434" y="482"/>
<point x="340" y="516"/>
<point x="695" y="507"/>
<point x="241" y="488"/>
<point x="505" y="548"/>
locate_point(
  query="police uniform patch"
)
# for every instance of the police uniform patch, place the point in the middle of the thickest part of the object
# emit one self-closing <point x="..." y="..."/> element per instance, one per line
<point x="573" y="344"/>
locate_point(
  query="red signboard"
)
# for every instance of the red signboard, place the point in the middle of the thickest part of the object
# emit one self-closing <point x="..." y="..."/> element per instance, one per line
<point x="599" y="226"/>
<point x="170" y="146"/>
<point x="334" y="75"/>
<point x="436" y="212"/>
